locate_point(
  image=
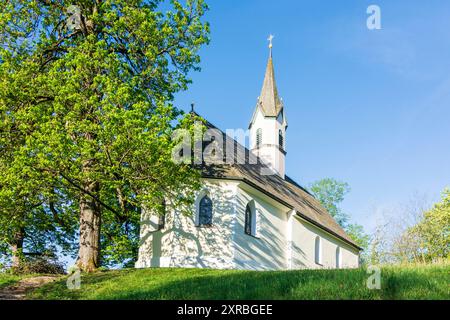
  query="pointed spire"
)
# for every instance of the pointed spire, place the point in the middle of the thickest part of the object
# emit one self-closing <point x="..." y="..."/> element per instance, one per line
<point x="269" y="100"/>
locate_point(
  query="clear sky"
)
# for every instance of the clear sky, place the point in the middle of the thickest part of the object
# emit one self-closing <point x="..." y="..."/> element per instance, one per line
<point x="369" y="107"/>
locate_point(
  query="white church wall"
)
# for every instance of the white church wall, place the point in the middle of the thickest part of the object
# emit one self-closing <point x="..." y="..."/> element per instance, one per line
<point x="154" y="243"/>
<point x="350" y="257"/>
<point x="303" y="248"/>
<point x="266" y="251"/>
<point x="183" y="244"/>
<point x="226" y="246"/>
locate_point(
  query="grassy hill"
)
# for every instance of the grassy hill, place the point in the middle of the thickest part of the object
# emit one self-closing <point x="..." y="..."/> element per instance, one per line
<point x="8" y="279"/>
<point x="425" y="282"/>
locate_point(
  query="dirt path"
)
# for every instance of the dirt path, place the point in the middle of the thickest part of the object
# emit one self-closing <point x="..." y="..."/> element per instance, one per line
<point x="19" y="290"/>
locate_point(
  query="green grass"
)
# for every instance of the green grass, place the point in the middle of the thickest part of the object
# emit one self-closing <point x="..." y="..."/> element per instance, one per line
<point x="7" y="279"/>
<point x="425" y="282"/>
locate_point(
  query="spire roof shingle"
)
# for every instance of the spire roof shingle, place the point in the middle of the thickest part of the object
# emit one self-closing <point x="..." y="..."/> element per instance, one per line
<point x="269" y="100"/>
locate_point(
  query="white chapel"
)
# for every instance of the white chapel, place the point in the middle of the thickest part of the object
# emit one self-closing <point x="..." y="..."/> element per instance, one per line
<point x="250" y="214"/>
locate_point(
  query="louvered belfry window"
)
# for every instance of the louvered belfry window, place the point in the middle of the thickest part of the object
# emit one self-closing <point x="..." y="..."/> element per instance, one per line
<point x="258" y="138"/>
<point x="280" y="139"/>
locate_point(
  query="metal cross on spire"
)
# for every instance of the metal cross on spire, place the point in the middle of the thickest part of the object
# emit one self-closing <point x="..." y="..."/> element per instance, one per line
<point x="270" y="39"/>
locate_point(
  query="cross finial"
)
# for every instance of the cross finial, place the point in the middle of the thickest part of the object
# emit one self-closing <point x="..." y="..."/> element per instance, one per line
<point x="192" y="106"/>
<point x="270" y="39"/>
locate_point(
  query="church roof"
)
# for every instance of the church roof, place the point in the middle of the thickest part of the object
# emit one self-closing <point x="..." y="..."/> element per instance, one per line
<point x="248" y="168"/>
<point x="269" y="101"/>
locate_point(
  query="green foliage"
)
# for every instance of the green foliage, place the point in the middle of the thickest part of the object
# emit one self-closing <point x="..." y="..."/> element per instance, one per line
<point x="28" y="211"/>
<point x="8" y="279"/>
<point x="91" y="106"/>
<point x="39" y="265"/>
<point x="419" y="234"/>
<point x="431" y="235"/>
<point x="418" y="282"/>
<point x="331" y="193"/>
<point x="357" y="233"/>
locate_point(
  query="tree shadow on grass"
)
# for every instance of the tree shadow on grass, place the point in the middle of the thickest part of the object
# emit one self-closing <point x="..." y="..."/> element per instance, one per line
<point x="196" y="284"/>
<point x="305" y="284"/>
<point x="248" y="285"/>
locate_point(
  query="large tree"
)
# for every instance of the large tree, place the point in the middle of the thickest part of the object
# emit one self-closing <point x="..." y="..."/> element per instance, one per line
<point x="88" y="86"/>
<point x="429" y="239"/>
<point x="415" y="232"/>
<point x="33" y="215"/>
<point x="331" y="192"/>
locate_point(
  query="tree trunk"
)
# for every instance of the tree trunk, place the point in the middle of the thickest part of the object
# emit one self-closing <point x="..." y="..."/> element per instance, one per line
<point x="90" y="224"/>
<point x="16" y="248"/>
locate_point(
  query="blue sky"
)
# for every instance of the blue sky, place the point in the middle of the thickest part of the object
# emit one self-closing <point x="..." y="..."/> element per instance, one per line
<point x="369" y="107"/>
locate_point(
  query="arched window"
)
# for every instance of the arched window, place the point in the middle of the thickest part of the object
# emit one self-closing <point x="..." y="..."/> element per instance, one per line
<point x="258" y="137"/>
<point x="318" y="250"/>
<point x="280" y="139"/>
<point x="205" y="211"/>
<point x="338" y="258"/>
<point x="249" y="219"/>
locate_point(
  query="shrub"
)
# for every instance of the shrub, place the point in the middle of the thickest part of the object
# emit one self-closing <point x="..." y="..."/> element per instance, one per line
<point x="40" y="265"/>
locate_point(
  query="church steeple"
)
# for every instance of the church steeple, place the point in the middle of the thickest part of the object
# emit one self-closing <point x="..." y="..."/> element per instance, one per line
<point x="268" y="125"/>
<point x="269" y="99"/>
